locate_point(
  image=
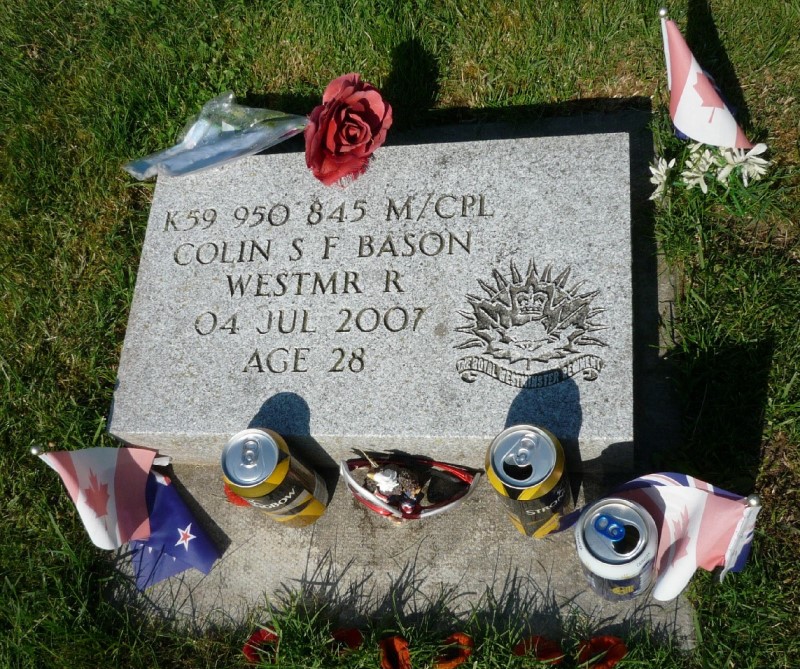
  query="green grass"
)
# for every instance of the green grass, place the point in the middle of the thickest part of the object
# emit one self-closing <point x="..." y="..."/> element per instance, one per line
<point x="305" y="634"/>
<point x="85" y="86"/>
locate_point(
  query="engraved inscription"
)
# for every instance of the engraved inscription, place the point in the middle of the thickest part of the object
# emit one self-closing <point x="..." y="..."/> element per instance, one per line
<point x="531" y="330"/>
<point x="267" y="259"/>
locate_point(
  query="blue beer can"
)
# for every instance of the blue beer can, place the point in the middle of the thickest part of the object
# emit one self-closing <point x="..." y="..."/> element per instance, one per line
<point x="616" y="541"/>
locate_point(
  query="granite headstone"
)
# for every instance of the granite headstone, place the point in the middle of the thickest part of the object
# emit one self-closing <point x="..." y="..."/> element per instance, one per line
<point x="452" y="290"/>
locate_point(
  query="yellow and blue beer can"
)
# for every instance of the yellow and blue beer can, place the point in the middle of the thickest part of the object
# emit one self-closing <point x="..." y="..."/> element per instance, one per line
<point x="258" y="466"/>
<point x="526" y="466"/>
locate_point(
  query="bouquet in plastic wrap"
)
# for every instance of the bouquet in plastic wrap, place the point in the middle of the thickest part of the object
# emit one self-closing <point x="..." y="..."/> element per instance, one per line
<point x="341" y="134"/>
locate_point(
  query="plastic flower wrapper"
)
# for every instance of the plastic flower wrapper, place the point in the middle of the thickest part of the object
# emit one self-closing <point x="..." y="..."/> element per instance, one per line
<point x="223" y="131"/>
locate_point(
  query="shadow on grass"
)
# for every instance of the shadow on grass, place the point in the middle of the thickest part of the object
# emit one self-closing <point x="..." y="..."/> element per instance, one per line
<point x="412" y="86"/>
<point x="703" y="39"/>
<point x="725" y="392"/>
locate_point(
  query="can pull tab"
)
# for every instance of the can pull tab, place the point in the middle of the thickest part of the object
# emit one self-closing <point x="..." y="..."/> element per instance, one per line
<point x="250" y="453"/>
<point x="609" y="527"/>
<point x="522" y="455"/>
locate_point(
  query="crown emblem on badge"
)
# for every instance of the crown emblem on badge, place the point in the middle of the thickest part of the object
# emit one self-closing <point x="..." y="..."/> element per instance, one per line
<point x="531" y="324"/>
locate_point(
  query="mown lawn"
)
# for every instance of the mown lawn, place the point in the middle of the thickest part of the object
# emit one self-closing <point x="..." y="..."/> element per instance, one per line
<point x="85" y="86"/>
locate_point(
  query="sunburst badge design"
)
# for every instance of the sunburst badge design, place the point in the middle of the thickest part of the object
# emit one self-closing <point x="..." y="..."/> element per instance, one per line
<point x="532" y="331"/>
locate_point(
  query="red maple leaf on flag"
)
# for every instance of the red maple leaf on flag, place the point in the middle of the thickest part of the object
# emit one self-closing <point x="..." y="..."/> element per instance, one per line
<point x="705" y="89"/>
<point x="680" y="529"/>
<point x="97" y="496"/>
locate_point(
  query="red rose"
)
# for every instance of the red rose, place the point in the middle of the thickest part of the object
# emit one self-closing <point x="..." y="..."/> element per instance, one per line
<point x="602" y="652"/>
<point x="259" y="642"/>
<point x="345" y="129"/>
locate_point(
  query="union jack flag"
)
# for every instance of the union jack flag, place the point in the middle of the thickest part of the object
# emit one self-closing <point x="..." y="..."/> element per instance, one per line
<point x="700" y="525"/>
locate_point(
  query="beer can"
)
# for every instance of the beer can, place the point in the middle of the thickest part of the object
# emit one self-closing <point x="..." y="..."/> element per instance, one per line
<point x="525" y="465"/>
<point x="258" y="466"/>
<point x="617" y="541"/>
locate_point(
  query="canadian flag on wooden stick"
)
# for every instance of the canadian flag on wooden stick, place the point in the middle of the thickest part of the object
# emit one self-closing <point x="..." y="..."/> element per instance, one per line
<point x="108" y="487"/>
<point x="696" y="108"/>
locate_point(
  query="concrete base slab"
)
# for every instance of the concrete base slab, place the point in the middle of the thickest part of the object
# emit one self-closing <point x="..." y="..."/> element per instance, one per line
<point x="364" y="566"/>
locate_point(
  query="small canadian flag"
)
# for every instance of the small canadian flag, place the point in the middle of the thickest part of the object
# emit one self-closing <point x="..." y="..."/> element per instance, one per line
<point x="107" y="486"/>
<point x="696" y="108"/>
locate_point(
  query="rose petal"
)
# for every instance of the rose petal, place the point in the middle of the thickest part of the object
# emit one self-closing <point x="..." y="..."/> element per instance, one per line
<point x="347" y="639"/>
<point x="332" y="121"/>
<point x="602" y="652"/>
<point x="354" y="134"/>
<point x="340" y="85"/>
<point x="369" y="104"/>
<point x="335" y="168"/>
<point x="313" y="137"/>
<point x="460" y="648"/>
<point x="233" y="498"/>
<point x="394" y="653"/>
<point x="258" y="642"/>
<point x="543" y="649"/>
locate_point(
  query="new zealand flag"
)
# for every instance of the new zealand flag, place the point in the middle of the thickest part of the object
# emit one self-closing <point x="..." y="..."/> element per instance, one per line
<point x="177" y="541"/>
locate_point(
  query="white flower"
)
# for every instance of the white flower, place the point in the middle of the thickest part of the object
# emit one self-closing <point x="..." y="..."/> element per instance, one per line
<point x="660" y="170"/>
<point x="696" y="149"/>
<point x="752" y="167"/>
<point x="700" y="161"/>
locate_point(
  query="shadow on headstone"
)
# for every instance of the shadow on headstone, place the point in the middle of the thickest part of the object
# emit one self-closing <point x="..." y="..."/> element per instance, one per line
<point x="513" y="601"/>
<point x="358" y="600"/>
<point x="517" y="603"/>
<point x="514" y="605"/>
<point x="606" y="475"/>
<point x="556" y="408"/>
<point x="403" y="600"/>
<point x="288" y="414"/>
